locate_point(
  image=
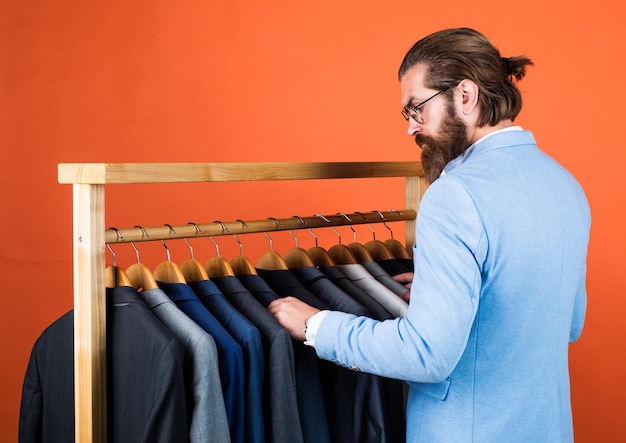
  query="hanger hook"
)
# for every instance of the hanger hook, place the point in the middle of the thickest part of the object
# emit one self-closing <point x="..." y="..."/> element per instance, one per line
<point x="385" y="220"/>
<point x="278" y="225"/>
<point x="270" y="239"/>
<point x="305" y="224"/>
<point x="224" y="229"/>
<point x="351" y="228"/>
<point x="198" y="231"/>
<point x="331" y="227"/>
<point x="120" y="237"/>
<point x="368" y="225"/>
<point x="294" y="237"/>
<point x="245" y="226"/>
<point x="144" y="233"/>
<point x="113" y="254"/>
<point x="167" y="250"/>
<point x="119" y="234"/>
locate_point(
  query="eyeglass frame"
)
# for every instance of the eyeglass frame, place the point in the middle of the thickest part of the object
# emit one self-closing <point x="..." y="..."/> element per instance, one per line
<point x="417" y="109"/>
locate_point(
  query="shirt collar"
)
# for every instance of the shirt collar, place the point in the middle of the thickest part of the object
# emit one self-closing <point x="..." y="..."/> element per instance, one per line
<point x="461" y="158"/>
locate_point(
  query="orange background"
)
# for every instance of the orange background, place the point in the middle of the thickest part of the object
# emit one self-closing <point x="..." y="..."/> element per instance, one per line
<point x="157" y="81"/>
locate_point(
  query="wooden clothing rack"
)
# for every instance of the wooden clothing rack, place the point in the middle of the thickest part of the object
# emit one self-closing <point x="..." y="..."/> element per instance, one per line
<point x="90" y="238"/>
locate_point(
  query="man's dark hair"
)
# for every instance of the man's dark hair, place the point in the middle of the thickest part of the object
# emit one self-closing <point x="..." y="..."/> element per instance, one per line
<point x="453" y="55"/>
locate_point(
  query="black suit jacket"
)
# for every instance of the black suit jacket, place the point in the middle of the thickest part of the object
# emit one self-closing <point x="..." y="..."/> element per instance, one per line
<point x="145" y="384"/>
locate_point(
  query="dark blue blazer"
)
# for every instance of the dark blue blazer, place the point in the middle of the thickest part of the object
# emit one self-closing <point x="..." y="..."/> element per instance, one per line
<point x="249" y="338"/>
<point x="230" y="355"/>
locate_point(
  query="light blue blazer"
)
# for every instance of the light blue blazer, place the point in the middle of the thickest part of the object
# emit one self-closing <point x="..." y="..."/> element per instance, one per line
<point x="498" y="295"/>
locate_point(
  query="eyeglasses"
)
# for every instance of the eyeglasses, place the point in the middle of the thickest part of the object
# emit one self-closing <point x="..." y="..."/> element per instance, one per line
<point x="415" y="112"/>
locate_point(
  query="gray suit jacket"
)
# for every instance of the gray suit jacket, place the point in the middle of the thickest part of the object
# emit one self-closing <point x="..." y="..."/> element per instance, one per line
<point x="385" y="296"/>
<point x="202" y="377"/>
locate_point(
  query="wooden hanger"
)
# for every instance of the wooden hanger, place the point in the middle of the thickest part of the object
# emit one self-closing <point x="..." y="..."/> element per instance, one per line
<point x="379" y="250"/>
<point x="360" y="253"/>
<point x="192" y="269"/>
<point x="320" y="256"/>
<point x="168" y="271"/>
<point x="243" y="266"/>
<point x="298" y="257"/>
<point x="271" y="260"/>
<point x="139" y="274"/>
<point x="374" y="248"/>
<point x="218" y="266"/>
<point x="141" y="277"/>
<point x="115" y="276"/>
<point x="342" y="255"/>
<point x="397" y="249"/>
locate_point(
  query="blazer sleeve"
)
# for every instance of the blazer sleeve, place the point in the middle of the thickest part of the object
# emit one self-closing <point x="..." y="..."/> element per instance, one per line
<point x="31" y="407"/>
<point x="578" y="315"/>
<point x="451" y="246"/>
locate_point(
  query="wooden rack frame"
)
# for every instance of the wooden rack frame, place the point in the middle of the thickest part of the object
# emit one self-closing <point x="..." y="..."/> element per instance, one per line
<point x="90" y="237"/>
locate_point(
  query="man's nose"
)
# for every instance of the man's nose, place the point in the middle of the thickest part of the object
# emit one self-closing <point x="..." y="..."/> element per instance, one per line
<point x="414" y="127"/>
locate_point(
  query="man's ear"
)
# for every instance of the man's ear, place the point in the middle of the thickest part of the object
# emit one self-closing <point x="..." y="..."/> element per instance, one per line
<point x="468" y="92"/>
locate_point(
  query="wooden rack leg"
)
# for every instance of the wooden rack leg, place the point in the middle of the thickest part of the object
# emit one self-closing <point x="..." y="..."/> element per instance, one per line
<point x="415" y="186"/>
<point x="89" y="314"/>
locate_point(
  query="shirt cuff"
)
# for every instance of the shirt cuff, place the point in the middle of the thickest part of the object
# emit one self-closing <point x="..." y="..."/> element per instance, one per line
<point x="312" y="326"/>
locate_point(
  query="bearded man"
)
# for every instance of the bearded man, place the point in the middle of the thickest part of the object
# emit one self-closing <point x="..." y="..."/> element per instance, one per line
<point x="498" y="290"/>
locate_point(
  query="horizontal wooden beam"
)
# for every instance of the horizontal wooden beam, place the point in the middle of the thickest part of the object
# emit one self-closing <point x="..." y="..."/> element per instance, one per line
<point x="117" y="173"/>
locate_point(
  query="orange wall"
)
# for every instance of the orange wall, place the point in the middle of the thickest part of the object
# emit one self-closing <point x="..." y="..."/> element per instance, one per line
<point x="146" y="81"/>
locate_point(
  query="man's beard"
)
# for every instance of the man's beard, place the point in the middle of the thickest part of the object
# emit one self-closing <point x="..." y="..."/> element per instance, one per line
<point x="438" y="151"/>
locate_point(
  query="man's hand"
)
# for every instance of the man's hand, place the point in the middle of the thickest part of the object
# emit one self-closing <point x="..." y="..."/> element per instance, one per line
<point x="292" y="314"/>
<point x="406" y="278"/>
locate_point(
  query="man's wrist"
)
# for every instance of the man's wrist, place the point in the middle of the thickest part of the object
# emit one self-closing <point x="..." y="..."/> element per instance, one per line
<point x="311" y="326"/>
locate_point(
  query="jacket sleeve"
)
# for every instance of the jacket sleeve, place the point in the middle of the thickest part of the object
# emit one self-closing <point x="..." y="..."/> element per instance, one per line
<point x="31" y="406"/>
<point x="426" y="345"/>
<point x="578" y="315"/>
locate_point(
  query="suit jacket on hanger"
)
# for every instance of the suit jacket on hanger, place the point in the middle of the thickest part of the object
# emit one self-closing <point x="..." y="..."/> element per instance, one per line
<point x="230" y="355"/>
<point x="282" y="421"/>
<point x="383" y="276"/>
<point x="347" y="394"/>
<point x="145" y="380"/>
<point x="377" y="413"/>
<point x="205" y="399"/>
<point x="249" y="338"/>
<point x="320" y="285"/>
<point x="310" y="396"/>
<point x="392" y="302"/>
<point x="375" y="309"/>
<point x="396" y="266"/>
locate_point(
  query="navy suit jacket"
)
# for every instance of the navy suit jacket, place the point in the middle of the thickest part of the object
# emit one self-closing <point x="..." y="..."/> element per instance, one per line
<point x="230" y="355"/>
<point x="249" y="338"/>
